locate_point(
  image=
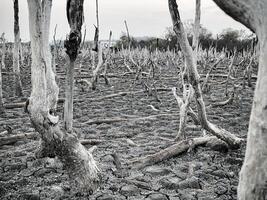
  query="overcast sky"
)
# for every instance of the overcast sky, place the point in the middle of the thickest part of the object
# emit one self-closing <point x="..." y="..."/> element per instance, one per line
<point x="144" y="17"/>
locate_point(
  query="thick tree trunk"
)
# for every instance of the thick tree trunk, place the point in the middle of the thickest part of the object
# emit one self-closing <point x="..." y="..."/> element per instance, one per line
<point x="16" y="65"/>
<point x="253" y="175"/>
<point x="194" y="79"/>
<point x="78" y="162"/>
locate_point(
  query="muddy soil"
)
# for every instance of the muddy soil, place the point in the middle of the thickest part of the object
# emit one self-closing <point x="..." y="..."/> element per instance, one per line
<point x="205" y="173"/>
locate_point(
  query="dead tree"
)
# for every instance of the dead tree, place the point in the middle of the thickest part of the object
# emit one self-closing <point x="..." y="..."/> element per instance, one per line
<point x="72" y="45"/>
<point x="205" y="86"/>
<point x="196" y="27"/>
<point x="96" y="38"/>
<point x="3" y="40"/>
<point x="98" y="67"/>
<point x="194" y="79"/>
<point x="42" y="103"/>
<point x="248" y="73"/>
<point x="1" y="86"/>
<point x="97" y="48"/>
<point x="230" y="70"/>
<point x="16" y="64"/>
<point x="2" y="66"/>
<point x="253" y="176"/>
<point x="128" y="35"/>
<point x="107" y="58"/>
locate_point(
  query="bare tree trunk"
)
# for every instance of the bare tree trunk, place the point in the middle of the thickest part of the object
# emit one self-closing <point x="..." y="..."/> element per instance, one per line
<point x="253" y="175"/>
<point x="21" y="53"/>
<point x="196" y="27"/>
<point x="98" y="67"/>
<point x="96" y="38"/>
<point x="193" y="78"/>
<point x="16" y="65"/>
<point x="3" y="51"/>
<point x="78" y="162"/>
<point x="72" y="44"/>
<point x="128" y="35"/>
<point x="2" y="66"/>
<point x="107" y="59"/>
<point x="1" y="93"/>
<point x="230" y="69"/>
<point x="68" y="107"/>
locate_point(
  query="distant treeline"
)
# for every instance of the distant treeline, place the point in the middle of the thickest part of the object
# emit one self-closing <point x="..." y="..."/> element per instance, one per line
<point x="229" y="40"/>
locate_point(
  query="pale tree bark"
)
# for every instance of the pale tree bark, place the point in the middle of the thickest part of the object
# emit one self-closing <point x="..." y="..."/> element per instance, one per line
<point x="128" y="35"/>
<point x="16" y="64"/>
<point x="107" y="58"/>
<point x="196" y="27"/>
<point x="78" y="162"/>
<point x="2" y="66"/>
<point x="3" y="51"/>
<point x="194" y="79"/>
<point x="98" y="67"/>
<point x="253" y="175"/>
<point x="1" y="92"/>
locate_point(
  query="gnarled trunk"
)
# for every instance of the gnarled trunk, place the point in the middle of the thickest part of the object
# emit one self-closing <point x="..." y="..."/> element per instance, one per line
<point x="16" y="65"/>
<point x="72" y="45"/>
<point x="76" y="159"/>
<point x="253" y="175"/>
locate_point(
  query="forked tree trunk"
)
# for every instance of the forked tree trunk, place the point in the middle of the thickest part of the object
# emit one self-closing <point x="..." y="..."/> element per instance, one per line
<point x="78" y="162"/>
<point x="193" y="77"/>
<point x="253" y="175"/>
<point x="16" y="64"/>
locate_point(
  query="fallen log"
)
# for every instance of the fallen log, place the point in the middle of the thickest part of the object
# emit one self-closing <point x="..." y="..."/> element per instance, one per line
<point x="169" y="152"/>
<point x="14" y="138"/>
<point x="106" y="121"/>
<point x="91" y="141"/>
<point x="224" y="76"/>
<point x="15" y="105"/>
